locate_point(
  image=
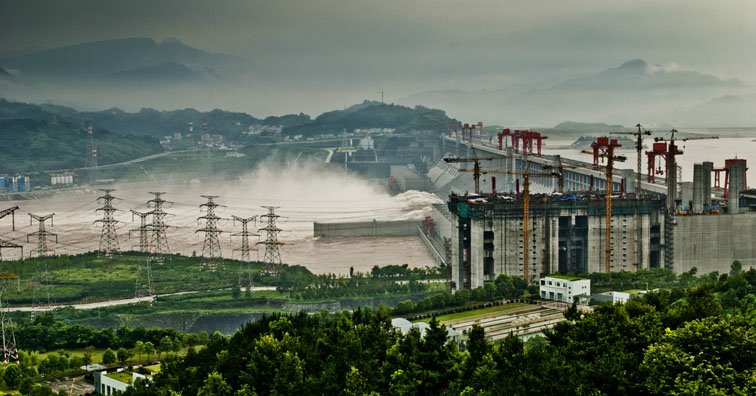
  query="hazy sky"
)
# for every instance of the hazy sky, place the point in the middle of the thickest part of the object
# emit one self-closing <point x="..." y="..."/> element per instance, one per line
<point x="347" y="49"/>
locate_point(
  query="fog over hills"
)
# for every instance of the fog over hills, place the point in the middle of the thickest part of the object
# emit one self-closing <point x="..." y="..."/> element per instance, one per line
<point x="136" y="73"/>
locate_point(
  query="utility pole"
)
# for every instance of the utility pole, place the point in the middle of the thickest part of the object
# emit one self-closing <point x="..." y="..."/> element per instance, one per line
<point x="144" y="242"/>
<point x="211" y="248"/>
<point x="159" y="238"/>
<point x="272" y="255"/>
<point x="108" y="237"/>
<point x="42" y="233"/>
<point x="8" y="244"/>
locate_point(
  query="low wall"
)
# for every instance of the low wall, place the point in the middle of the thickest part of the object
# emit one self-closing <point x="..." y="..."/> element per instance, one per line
<point x="367" y="228"/>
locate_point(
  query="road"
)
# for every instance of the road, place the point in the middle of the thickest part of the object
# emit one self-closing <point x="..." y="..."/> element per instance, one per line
<point x="111" y="303"/>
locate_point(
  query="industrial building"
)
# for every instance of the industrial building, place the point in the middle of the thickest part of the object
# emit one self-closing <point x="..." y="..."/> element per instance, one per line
<point x="15" y="183"/>
<point x="566" y="234"/>
<point x="564" y="288"/>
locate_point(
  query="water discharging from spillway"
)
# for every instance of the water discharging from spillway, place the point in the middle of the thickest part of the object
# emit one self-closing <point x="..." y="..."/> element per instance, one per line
<point x="304" y="193"/>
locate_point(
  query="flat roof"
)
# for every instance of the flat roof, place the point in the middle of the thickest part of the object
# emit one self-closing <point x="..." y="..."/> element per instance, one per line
<point x="565" y="277"/>
<point x="123" y="376"/>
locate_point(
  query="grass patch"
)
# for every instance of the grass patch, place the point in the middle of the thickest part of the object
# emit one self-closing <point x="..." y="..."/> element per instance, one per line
<point x="483" y="312"/>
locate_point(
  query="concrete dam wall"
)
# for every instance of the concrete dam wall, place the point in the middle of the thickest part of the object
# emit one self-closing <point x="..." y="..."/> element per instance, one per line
<point x="367" y="228"/>
<point x="713" y="242"/>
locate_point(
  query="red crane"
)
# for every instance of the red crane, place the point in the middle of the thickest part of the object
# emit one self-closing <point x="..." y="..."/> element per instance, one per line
<point x="728" y="164"/>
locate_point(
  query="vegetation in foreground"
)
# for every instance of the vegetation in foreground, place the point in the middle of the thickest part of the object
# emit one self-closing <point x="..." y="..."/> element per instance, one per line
<point x="696" y="341"/>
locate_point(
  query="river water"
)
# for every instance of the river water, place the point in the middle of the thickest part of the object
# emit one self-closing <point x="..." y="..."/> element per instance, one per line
<point x="694" y="151"/>
<point x="304" y="193"/>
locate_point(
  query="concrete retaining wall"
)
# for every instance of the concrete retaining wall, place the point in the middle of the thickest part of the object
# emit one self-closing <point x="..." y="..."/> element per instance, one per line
<point x="713" y="242"/>
<point x="367" y="228"/>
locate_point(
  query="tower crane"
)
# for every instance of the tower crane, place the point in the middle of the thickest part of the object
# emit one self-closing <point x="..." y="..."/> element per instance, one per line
<point x="526" y="174"/>
<point x="667" y="149"/>
<point x="639" y="149"/>
<point x="603" y="148"/>
<point x="476" y="171"/>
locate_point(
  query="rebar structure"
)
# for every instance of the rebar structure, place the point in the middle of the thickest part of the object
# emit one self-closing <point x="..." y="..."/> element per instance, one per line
<point x="144" y="229"/>
<point x="108" y="236"/>
<point x="42" y="233"/>
<point x="245" y="234"/>
<point x="4" y="244"/>
<point x="211" y="248"/>
<point x="159" y="242"/>
<point x="91" y="157"/>
<point x="272" y="254"/>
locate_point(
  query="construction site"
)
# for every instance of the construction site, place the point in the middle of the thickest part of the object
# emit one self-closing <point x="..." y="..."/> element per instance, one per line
<point x="563" y="215"/>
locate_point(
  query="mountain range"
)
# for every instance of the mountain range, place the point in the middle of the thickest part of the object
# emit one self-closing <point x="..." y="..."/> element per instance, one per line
<point x="628" y="93"/>
<point x="134" y="73"/>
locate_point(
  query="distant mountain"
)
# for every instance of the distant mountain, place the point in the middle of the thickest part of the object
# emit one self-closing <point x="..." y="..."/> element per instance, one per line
<point x="4" y="73"/>
<point x="371" y="114"/>
<point x="631" y="92"/>
<point x="164" y="73"/>
<point x="37" y="139"/>
<point x="723" y="111"/>
<point x="102" y="58"/>
<point x="639" y="75"/>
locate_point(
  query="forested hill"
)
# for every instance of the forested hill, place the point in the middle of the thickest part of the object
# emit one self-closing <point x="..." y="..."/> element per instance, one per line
<point x="35" y="139"/>
<point x="697" y="341"/>
<point x="375" y="115"/>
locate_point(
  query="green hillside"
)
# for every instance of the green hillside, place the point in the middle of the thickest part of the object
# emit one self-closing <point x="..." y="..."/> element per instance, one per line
<point x="34" y="139"/>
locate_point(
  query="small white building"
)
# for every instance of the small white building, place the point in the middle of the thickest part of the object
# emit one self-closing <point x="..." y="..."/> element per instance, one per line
<point x="564" y="288"/>
<point x="109" y="383"/>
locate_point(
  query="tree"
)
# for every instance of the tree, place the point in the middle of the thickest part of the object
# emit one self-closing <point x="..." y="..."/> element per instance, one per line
<point x="87" y="357"/>
<point x="108" y="357"/>
<point x="215" y="385"/>
<point x="149" y="349"/>
<point x="138" y="348"/>
<point x="123" y="355"/>
<point x="166" y="345"/>
<point x="12" y="376"/>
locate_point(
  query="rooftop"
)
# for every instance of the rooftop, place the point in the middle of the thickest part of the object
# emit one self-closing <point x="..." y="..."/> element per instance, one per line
<point x="565" y="277"/>
<point x="123" y="376"/>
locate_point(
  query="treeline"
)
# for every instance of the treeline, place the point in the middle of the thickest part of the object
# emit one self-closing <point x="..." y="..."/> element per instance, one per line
<point x="688" y="342"/>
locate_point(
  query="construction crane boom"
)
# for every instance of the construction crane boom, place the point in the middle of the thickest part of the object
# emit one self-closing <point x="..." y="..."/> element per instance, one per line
<point x="603" y="148"/>
<point x="525" y="205"/>
<point x="476" y="171"/>
<point x="639" y="150"/>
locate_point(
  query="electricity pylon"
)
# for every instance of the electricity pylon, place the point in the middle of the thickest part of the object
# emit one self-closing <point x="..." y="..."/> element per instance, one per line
<point x="245" y="234"/>
<point x="159" y="242"/>
<point x="272" y="255"/>
<point x="108" y="237"/>
<point x="42" y="233"/>
<point x="144" y="241"/>
<point x="211" y="248"/>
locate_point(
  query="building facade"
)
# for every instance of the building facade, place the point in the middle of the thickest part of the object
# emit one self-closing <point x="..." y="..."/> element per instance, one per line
<point x="567" y="234"/>
<point x="563" y="288"/>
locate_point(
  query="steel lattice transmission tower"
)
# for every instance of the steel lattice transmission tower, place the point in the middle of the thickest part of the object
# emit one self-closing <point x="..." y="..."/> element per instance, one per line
<point x="91" y="157"/>
<point x="42" y="233"/>
<point x="272" y="254"/>
<point x="211" y="248"/>
<point x="108" y="236"/>
<point x="245" y="234"/>
<point x="144" y="229"/>
<point x="159" y="242"/>
<point x="8" y="244"/>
